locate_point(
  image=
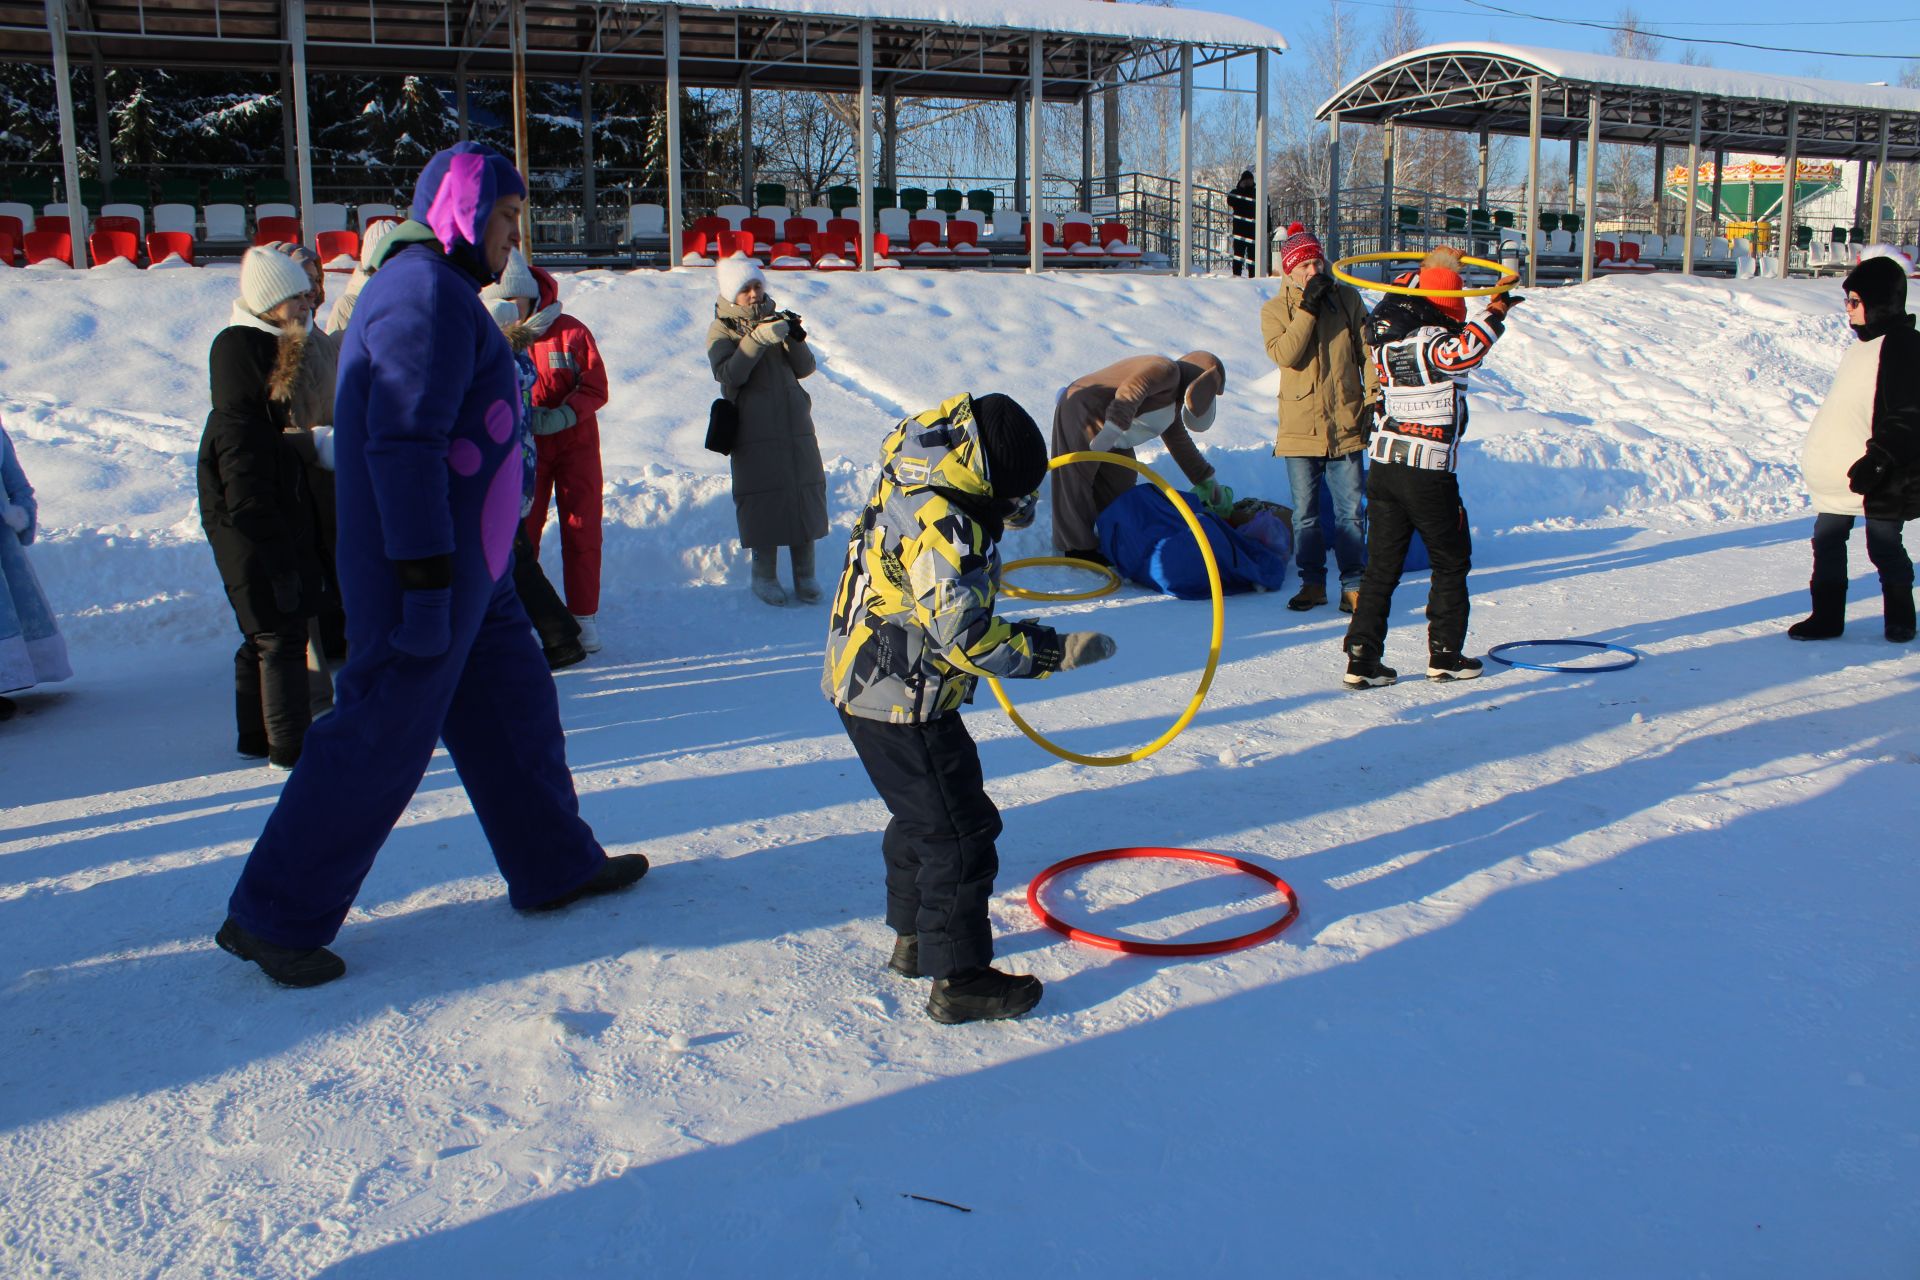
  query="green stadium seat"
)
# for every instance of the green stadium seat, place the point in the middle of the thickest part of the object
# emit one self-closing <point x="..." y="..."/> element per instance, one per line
<point x="1409" y="216"/>
<point x="272" y="191"/>
<point x="1456" y="219"/>
<point x="765" y="193"/>
<point x="1549" y="221"/>
<point x="842" y="197"/>
<point x="33" y="189"/>
<point x="1483" y="221"/>
<point x="226" y="191"/>
<point x="949" y="200"/>
<point x="1570" y="222"/>
<point x="883" y="197"/>
<point x="981" y="201"/>
<point x="180" y="191"/>
<point x="913" y="199"/>
<point x="1802" y="237"/>
<point x="1857" y="235"/>
<point x="1503" y="217"/>
<point x="127" y="189"/>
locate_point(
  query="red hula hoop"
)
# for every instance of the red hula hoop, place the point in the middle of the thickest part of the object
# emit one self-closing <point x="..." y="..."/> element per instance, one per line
<point x="1131" y="947"/>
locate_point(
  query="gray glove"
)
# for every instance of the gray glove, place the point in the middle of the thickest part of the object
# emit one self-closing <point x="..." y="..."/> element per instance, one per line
<point x="547" y="422"/>
<point x="770" y="333"/>
<point x="1084" y="648"/>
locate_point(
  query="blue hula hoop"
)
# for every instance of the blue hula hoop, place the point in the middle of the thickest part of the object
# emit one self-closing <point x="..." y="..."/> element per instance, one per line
<point x="1633" y="655"/>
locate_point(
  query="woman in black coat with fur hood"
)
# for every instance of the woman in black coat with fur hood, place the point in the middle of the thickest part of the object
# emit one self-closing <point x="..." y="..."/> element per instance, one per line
<point x="257" y="507"/>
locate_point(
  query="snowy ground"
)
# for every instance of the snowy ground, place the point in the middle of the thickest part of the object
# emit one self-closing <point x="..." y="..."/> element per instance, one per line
<point x="1684" y="1045"/>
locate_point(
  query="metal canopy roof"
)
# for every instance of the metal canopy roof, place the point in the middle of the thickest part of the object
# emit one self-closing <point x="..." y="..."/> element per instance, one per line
<point x="1471" y="87"/>
<point x="930" y="48"/>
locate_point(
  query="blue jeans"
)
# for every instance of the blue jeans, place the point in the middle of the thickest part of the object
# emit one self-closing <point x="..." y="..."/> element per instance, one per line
<point x="1345" y="480"/>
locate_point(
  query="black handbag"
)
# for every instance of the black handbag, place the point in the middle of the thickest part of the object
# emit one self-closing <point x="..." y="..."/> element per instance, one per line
<point x="723" y="426"/>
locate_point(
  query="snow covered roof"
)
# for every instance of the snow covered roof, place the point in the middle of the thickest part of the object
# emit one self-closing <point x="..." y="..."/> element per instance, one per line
<point x="1475" y="85"/>
<point x="1060" y="17"/>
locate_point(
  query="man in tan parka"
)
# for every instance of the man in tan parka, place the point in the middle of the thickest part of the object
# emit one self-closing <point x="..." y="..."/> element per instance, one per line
<point x="1314" y="330"/>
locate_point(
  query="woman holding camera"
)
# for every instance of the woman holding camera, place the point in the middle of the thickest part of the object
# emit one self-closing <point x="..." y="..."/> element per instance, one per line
<point x="759" y="356"/>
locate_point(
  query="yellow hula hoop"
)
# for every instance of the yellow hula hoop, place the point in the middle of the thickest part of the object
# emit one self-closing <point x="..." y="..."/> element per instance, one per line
<point x="1107" y="588"/>
<point x="1381" y="286"/>
<point x="1213" y="645"/>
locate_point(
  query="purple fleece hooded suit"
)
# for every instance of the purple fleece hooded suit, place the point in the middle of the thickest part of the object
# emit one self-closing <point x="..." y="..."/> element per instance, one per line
<point x="428" y="481"/>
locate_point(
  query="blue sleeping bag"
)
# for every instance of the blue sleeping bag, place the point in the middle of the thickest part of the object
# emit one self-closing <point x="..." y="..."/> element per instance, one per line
<point x="1149" y="544"/>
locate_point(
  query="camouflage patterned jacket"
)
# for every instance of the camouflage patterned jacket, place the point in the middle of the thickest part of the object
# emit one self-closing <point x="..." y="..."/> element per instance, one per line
<point x="913" y="623"/>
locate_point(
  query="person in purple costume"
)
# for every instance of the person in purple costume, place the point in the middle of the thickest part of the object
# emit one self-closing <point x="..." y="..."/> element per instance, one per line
<point x="427" y="476"/>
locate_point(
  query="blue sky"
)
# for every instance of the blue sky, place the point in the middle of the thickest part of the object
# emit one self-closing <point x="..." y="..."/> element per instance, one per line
<point x="1854" y="30"/>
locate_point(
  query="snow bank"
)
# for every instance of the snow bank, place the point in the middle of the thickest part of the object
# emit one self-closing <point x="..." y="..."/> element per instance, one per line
<point x="1652" y="395"/>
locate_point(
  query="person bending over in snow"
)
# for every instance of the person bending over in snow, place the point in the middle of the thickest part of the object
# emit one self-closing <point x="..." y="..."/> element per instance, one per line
<point x="567" y="399"/>
<point x="429" y="476"/>
<point x="257" y="507"/>
<point x="759" y="355"/>
<point x="1423" y="350"/>
<point x="511" y="301"/>
<point x="31" y="649"/>
<point x="912" y="626"/>
<point x="1116" y="409"/>
<point x="1862" y="455"/>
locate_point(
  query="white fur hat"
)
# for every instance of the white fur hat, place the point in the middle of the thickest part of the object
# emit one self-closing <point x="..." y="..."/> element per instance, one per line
<point x="734" y="274"/>
<point x="517" y="280"/>
<point x="268" y="279"/>
<point x="503" y="311"/>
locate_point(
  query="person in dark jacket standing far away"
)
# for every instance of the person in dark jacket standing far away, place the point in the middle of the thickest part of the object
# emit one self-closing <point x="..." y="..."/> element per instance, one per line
<point x="1423" y="350"/>
<point x="257" y="507"/>
<point x="912" y="627"/>
<point x="1862" y="456"/>
<point x="429" y="473"/>
<point x="1240" y="205"/>
<point x="1315" y="330"/>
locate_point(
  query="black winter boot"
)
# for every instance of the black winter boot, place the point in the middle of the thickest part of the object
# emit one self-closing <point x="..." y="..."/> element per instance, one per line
<point x="1310" y="596"/>
<point x="288" y="966"/>
<point x="1367" y="673"/>
<point x="1899" y="614"/>
<point x="982" y="994"/>
<point x="565" y="654"/>
<point x="1829" y="617"/>
<point x="905" y="959"/>
<point x="615" y="874"/>
<point x="1452" y="666"/>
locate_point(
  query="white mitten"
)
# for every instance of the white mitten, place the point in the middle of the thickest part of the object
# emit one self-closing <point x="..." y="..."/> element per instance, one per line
<point x="16" y="517"/>
<point x="323" y="447"/>
<point x="770" y="333"/>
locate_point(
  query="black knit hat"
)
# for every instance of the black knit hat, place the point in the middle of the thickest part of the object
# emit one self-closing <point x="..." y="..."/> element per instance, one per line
<point x="1016" y="451"/>
<point x="1882" y="286"/>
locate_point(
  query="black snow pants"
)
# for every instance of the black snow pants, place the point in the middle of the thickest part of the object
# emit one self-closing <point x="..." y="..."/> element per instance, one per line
<point x="551" y="621"/>
<point x="270" y="695"/>
<point x="939" y="846"/>
<point x="1400" y="501"/>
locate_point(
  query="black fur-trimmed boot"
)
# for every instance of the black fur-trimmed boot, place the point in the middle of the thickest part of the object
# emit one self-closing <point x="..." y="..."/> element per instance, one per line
<point x="1829" y="617"/>
<point x="905" y="959"/>
<point x="1898" y="605"/>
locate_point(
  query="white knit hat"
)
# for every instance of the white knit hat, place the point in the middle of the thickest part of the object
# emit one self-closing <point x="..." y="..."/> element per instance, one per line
<point x="268" y="279"/>
<point x="734" y="274"/>
<point x="370" y="242"/>
<point x="503" y="311"/>
<point x="516" y="281"/>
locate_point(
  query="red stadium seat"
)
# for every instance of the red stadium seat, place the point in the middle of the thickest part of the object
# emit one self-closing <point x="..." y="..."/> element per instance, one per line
<point x="109" y="222"/>
<point x="795" y="260"/>
<point x="1603" y="251"/>
<point x="711" y="229"/>
<point x="845" y="228"/>
<point x="924" y="239"/>
<point x="1077" y="239"/>
<point x="54" y="222"/>
<point x="105" y="246"/>
<point x="15" y="231"/>
<point x="963" y="237"/>
<point x="763" y="231"/>
<point x="162" y="245"/>
<point x="48" y="246"/>
<point x="693" y="244"/>
<point x="835" y="247"/>
<point x="334" y="244"/>
<point x="1047" y="237"/>
<point x="1113" y="238"/>
<point x="277" y="230"/>
<point x="800" y="231"/>
<point x="9" y="247"/>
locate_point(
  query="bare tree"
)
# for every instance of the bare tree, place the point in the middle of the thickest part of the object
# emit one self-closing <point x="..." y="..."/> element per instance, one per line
<point x="1627" y="172"/>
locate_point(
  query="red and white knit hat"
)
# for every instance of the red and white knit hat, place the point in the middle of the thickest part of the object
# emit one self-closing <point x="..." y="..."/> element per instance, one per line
<point x="1299" y="246"/>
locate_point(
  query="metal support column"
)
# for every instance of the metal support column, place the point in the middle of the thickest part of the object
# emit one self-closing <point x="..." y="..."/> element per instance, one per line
<point x="1536" y="242"/>
<point x="1331" y="232"/>
<point x="286" y="123"/>
<point x="589" y="194"/>
<point x="302" y="119"/>
<point x="747" y="174"/>
<point x="1086" y="151"/>
<point x="69" y="143"/>
<point x="675" y="197"/>
<point x="102" y="117"/>
<point x="1387" y="212"/>
<point x="1110" y="134"/>
<point x="517" y="35"/>
<point x="1693" y="191"/>
<point x="1573" y="173"/>
<point x="890" y="138"/>
<point x="1659" y="189"/>
<point x="1590" y="205"/>
<point x="1879" y="178"/>
<point x="1036" y="117"/>
<point x="460" y="103"/>
<point x="1262" y="215"/>
<point x="1719" y="177"/>
<point x="1485" y="170"/>
<point x="1186" y="160"/>
<point x="1792" y="180"/>
<point x="865" y="135"/>
<point x="1019" y="152"/>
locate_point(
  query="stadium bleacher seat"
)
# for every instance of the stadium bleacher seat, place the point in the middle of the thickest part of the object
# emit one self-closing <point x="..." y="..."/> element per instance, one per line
<point x="1077" y="239"/>
<point x="1049" y="239"/>
<point x="180" y="191"/>
<point x="15" y="229"/>
<point x="1456" y="220"/>
<point x="963" y="238"/>
<point x="770" y="193"/>
<point x="693" y="248"/>
<point x="926" y="239"/>
<point x="48" y="247"/>
<point x="735" y="214"/>
<point x="261" y="212"/>
<point x="329" y="217"/>
<point x="1008" y="224"/>
<point x="646" y="220"/>
<point x="914" y="199"/>
<point x="1560" y="241"/>
<point x="162" y="245"/>
<point x="226" y="191"/>
<point x="949" y="200"/>
<point x="800" y="231"/>
<point x="1116" y="241"/>
<point x="226" y="224"/>
<point x="1549" y="222"/>
<point x="832" y="253"/>
<point x="20" y="213"/>
<point x="710" y="229"/>
<point x="57" y="222"/>
<point x="763" y="231"/>
<point x="981" y="201"/>
<point x="787" y="256"/>
<point x="819" y="215"/>
<point x="895" y="222"/>
<point x="776" y="213"/>
<point x="847" y="229"/>
<point x="106" y="246"/>
<point x="883" y="198"/>
<point x="368" y="213"/>
<point x="333" y="245"/>
<point x="736" y="244"/>
<point x="272" y="191"/>
<point x="9" y="247"/>
<point x="842" y="197"/>
<point x="134" y="213"/>
<point x="35" y="190"/>
<point x="175" y="217"/>
<point x="276" y="229"/>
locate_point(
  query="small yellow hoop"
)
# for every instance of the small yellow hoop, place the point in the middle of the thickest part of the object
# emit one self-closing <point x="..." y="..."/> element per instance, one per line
<point x="1415" y="291"/>
<point x="1213" y="645"/>
<point x="1107" y="588"/>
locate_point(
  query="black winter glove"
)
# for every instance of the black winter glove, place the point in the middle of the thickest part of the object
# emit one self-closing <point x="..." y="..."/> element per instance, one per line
<point x="1315" y="292"/>
<point x="1048" y="648"/>
<point x="1868" y="474"/>
<point x="795" y="331"/>
<point x="286" y="592"/>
